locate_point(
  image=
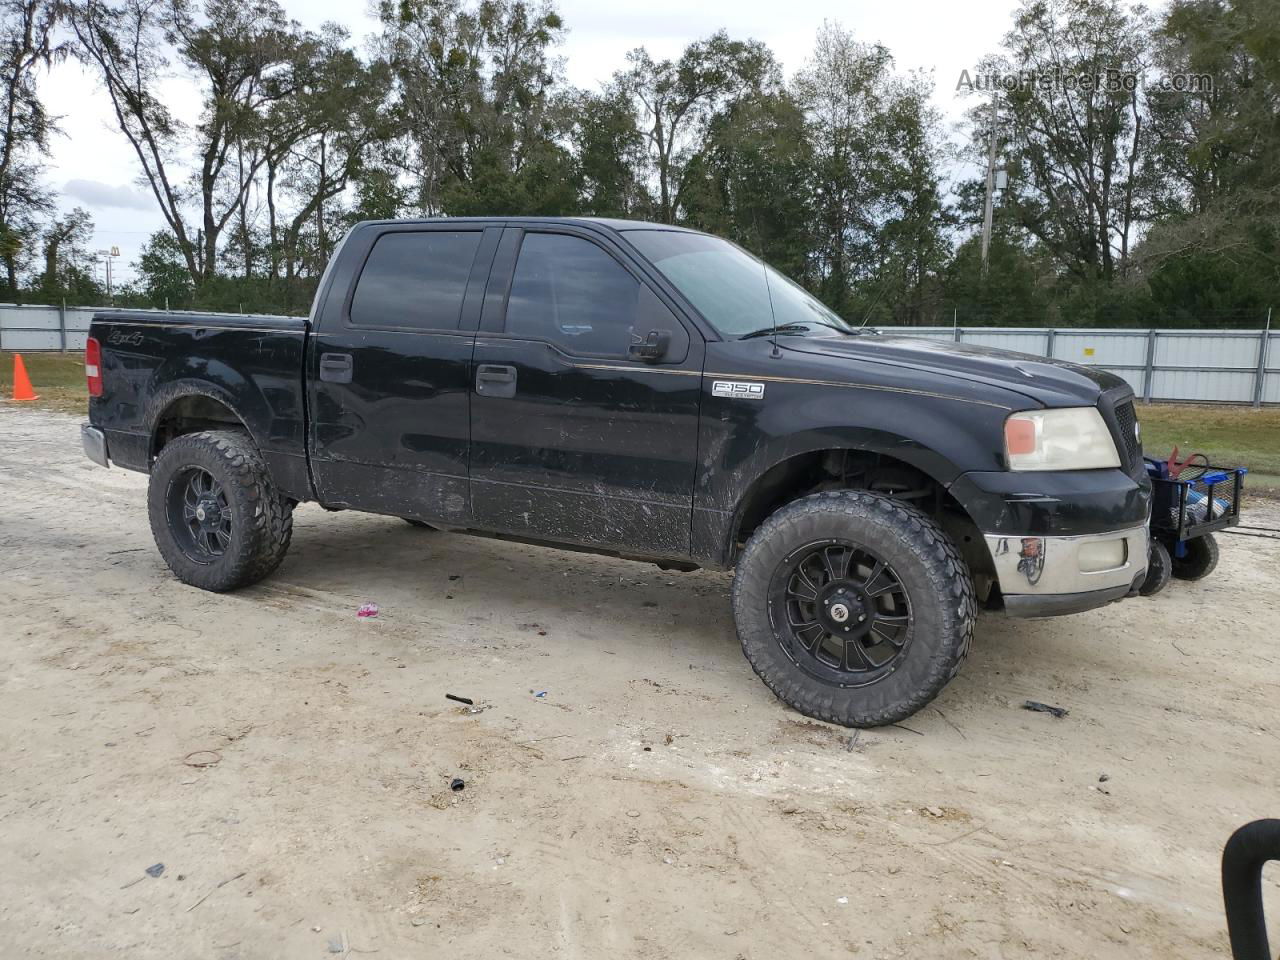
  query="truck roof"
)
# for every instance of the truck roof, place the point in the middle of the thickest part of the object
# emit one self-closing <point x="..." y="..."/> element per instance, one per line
<point x="613" y="223"/>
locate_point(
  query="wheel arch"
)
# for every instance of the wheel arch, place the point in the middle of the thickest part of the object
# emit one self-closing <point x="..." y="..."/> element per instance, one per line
<point x="797" y="474"/>
<point x="189" y="407"/>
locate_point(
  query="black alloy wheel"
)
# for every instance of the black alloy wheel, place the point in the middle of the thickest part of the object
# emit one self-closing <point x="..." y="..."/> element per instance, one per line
<point x="200" y="515"/>
<point x="216" y="515"/>
<point x="840" y="612"/>
<point x="853" y="607"/>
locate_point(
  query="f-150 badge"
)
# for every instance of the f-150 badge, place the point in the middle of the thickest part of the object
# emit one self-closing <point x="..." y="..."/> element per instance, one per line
<point x="739" y="389"/>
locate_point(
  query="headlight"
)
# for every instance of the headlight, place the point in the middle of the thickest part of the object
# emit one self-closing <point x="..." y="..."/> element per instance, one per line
<point x="1072" y="438"/>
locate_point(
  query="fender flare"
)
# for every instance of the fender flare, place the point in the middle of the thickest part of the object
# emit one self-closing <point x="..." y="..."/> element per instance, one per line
<point x="882" y="443"/>
<point x="164" y="399"/>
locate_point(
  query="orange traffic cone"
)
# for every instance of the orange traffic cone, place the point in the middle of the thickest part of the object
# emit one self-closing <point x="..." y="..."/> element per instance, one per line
<point x="21" y="382"/>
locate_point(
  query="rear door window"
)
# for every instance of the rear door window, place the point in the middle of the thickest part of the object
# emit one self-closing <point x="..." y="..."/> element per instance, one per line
<point x="415" y="280"/>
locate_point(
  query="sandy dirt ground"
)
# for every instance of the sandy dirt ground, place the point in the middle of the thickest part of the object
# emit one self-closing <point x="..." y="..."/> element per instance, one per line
<point x="656" y="803"/>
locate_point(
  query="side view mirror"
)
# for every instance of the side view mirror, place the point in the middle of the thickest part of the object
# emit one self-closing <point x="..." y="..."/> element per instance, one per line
<point x="652" y="348"/>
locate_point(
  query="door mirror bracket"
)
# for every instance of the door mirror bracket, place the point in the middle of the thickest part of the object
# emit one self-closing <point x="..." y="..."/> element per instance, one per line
<point x="652" y="348"/>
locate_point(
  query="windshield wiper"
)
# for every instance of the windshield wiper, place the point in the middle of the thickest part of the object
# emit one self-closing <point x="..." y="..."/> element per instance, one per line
<point x="832" y="326"/>
<point x="795" y="327"/>
<point x="780" y="328"/>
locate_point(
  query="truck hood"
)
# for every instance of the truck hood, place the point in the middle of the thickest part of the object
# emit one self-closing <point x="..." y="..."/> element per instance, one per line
<point x="1052" y="383"/>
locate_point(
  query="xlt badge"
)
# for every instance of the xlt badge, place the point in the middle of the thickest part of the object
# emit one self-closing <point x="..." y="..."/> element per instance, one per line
<point x="740" y="389"/>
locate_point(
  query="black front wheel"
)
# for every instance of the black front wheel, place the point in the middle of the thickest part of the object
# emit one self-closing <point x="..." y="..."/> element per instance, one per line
<point x="215" y="514"/>
<point x="1159" y="570"/>
<point x="853" y="607"/>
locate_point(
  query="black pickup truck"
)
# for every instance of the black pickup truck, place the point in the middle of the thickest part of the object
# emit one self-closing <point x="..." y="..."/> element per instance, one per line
<point x="654" y="393"/>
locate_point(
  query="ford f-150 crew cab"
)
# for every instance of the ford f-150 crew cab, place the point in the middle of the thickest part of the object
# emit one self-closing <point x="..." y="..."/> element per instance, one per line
<point x="654" y="393"/>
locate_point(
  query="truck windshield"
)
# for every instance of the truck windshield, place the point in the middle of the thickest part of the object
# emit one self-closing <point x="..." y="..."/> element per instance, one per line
<point x="727" y="285"/>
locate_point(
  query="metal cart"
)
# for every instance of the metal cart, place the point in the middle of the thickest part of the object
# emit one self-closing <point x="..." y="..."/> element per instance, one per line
<point x="1189" y="503"/>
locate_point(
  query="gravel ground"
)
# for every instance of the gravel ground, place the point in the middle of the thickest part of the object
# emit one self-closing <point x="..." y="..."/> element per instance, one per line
<point x="657" y="801"/>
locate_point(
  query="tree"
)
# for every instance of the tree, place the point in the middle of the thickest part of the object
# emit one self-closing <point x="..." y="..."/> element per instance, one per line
<point x="750" y="182"/>
<point x="1216" y="248"/>
<point x="474" y="93"/>
<point x="1126" y="197"/>
<point x="231" y="53"/>
<point x="27" y="28"/>
<point x="847" y="91"/>
<point x="379" y="194"/>
<point x="68" y="264"/>
<point x="609" y="152"/>
<point x="677" y="99"/>
<point x="162" y="276"/>
<point x="314" y="143"/>
<point x="913" y="242"/>
<point x="1072" y="129"/>
<point x="1015" y="291"/>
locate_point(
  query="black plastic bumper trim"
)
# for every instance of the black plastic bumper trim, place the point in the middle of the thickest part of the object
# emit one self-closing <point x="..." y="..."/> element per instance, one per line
<point x="1033" y="606"/>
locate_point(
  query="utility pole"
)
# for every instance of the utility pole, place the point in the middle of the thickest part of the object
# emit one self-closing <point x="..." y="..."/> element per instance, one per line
<point x="107" y="257"/>
<point x="991" y="184"/>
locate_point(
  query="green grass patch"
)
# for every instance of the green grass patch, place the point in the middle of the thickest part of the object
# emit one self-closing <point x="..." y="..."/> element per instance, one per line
<point x="58" y="379"/>
<point x="1231" y="436"/>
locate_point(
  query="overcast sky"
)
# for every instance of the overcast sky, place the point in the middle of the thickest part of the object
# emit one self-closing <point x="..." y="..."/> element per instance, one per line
<point x="93" y="166"/>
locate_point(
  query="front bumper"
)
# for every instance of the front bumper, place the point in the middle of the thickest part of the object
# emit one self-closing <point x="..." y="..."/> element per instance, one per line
<point x="1043" y="576"/>
<point x="94" y="442"/>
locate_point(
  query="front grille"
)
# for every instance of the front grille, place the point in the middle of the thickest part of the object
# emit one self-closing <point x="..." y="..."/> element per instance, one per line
<point x="1121" y="418"/>
<point x="1126" y="421"/>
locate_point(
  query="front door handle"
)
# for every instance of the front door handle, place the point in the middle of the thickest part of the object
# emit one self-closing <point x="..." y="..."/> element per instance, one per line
<point x="495" y="380"/>
<point x="335" y="367"/>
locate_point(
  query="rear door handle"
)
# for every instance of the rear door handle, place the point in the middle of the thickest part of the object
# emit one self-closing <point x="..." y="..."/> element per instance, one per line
<point x="495" y="380"/>
<point x="335" y="367"/>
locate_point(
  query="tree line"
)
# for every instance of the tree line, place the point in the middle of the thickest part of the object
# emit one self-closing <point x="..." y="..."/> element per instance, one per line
<point x="1128" y="195"/>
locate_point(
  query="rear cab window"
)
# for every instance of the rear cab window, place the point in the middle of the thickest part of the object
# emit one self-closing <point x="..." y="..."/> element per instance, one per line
<point x="415" y="280"/>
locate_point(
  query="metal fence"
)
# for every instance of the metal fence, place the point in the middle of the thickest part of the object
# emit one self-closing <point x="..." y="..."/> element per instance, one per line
<point x="29" y="327"/>
<point x="35" y="328"/>
<point x="1209" y="366"/>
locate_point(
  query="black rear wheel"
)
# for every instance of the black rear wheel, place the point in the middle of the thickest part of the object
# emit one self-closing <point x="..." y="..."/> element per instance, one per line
<point x="853" y="607"/>
<point x="215" y="513"/>
<point x="200" y="514"/>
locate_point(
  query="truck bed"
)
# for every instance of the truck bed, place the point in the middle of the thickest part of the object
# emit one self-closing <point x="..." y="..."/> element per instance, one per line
<point x="251" y="365"/>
